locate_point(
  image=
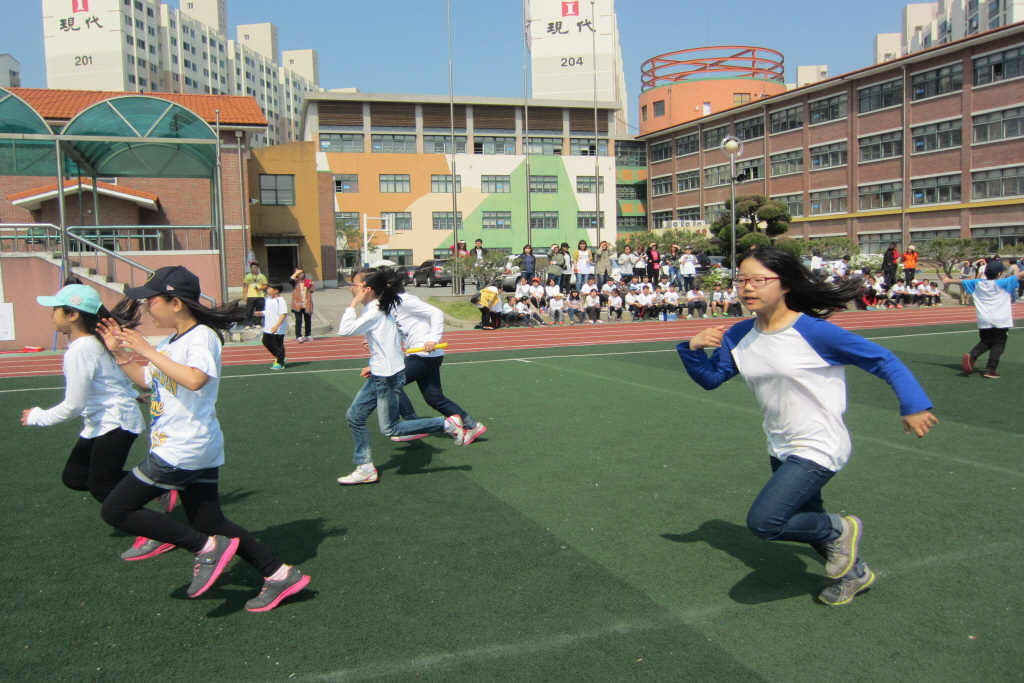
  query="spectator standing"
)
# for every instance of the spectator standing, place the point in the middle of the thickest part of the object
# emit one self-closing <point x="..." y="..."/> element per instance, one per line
<point x="992" y="298"/>
<point x="688" y="268"/>
<point x="254" y="287"/>
<point x="302" y="304"/>
<point x="671" y="264"/>
<point x="653" y="262"/>
<point x="640" y="268"/>
<point x="910" y="263"/>
<point x="567" y="267"/>
<point x="627" y="260"/>
<point x="555" y="262"/>
<point x="603" y="263"/>
<point x="890" y="262"/>
<point x="583" y="259"/>
<point x="528" y="263"/>
<point x="275" y="324"/>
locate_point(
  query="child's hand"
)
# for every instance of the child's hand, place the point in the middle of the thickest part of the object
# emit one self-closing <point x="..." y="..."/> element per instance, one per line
<point x="135" y="341"/>
<point x="24" y="416"/>
<point x="365" y="372"/>
<point x="919" y="423"/>
<point x="709" y="337"/>
<point x="107" y="327"/>
<point x="273" y="330"/>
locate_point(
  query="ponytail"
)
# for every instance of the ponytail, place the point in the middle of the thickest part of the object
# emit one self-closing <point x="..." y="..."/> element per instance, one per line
<point x="126" y="313"/>
<point x="387" y="285"/>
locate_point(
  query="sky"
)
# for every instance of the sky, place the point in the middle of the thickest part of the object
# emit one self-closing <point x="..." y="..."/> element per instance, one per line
<point x="400" y="46"/>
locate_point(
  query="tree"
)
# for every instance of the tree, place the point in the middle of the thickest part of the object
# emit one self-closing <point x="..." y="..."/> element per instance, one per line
<point x="684" y="238"/>
<point x="831" y="247"/>
<point x="752" y="238"/>
<point x="349" y="237"/>
<point x="757" y="213"/>
<point x="948" y="254"/>
<point x="794" y="247"/>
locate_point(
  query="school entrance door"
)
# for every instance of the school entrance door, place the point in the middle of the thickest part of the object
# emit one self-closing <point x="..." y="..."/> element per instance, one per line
<point x="282" y="258"/>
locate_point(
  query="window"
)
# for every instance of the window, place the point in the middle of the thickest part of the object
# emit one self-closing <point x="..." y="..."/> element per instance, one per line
<point x="585" y="147"/>
<point x="630" y="223"/>
<point x="545" y="146"/>
<point x="881" y="196"/>
<point x="925" y="235"/>
<point x="1007" y="238"/>
<point x="489" y="144"/>
<point x="753" y="168"/>
<point x="716" y="175"/>
<point x="277" y="190"/>
<point x="713" y="137"/>
<point x="937" y="82"/>
<point x="631" y="192"/>
<point x="935" y="190"/>
<point x="881" y="146"/>
<point x="543" y="184"/>
<point x="828" y="201"/>
<point x="398" y="144"/>
<point x="786" y="119"/>
<point x="443" y="220"/>
<point x="687" y="144"/>
<point x="643" y="112"/>
<point x="443" y="183"/>
<point x="787" y="162"/>
<point x="585" y="184"/>
<point x="442" y="144"/>
<point x="402" y="221"/>
<point x="391" y="182"/>
<point x="877" y="243"/>
<point x="828" y="109"/>
<point x="659" y="217"/>
<point x="346" y="220"/>
<point x="661" y="151"/>
<point x="999" y="125"/>
<point x="794" y="203"/>
<point x="690" y="213"/>
<point x="690" y="180"/>
<point x="935" y="136"/>
<point x="630" y="153"/>
<point x="999" y="66"/>
<point x="1002" y="182"/>
<point x="828" y="156"/>
<point x="496" y="183"/>
<point x="346" y="182"/>
<point x="497" y="220"/>
<point x="879" y="96"/>
<point x="659" y="108"/>
<point x="739" y="98"/>
<point x="544" y="220"/>
<point x="712" y="212"/>
<point x="402" y="257"/>
<point x="587" y="220"/>
<point x="749" y="129"/>
<point x="661" y="186"/>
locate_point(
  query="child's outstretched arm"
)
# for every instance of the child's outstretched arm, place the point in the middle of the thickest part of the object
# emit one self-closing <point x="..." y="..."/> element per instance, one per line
<point x="712" y="372"/>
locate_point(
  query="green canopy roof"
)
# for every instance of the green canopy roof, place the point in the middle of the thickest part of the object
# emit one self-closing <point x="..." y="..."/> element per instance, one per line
<point x="24" y="157"/>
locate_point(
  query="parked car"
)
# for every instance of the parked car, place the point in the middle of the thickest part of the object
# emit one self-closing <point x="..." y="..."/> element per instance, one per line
<point x="409" y="271"/>
<point x="432" y="272"/>
<point x="512" y="272"/>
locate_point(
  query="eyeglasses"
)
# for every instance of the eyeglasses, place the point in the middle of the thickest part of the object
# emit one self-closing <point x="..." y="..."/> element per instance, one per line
<point x="755" y="282"/>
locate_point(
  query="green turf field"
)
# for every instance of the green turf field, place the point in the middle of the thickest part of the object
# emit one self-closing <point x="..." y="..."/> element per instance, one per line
<point x="595" y="533"/>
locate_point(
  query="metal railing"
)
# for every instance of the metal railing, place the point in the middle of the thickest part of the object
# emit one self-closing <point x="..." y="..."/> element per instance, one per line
<point x="147" y="237"/>
<point x="45" y="238"/>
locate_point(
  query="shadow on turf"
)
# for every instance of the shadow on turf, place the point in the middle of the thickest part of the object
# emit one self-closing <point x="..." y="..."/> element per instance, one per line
<point x="780" y="571"/>
<point x="415" y="458"/>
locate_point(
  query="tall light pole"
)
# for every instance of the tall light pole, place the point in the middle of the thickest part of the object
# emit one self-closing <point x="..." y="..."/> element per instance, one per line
<point x="732" y="147"/>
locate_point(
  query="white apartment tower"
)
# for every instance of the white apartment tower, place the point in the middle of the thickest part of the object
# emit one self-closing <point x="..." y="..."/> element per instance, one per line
<point x="146" y="46"/>
<point x="10" y="72"/>
<point x="927" y="24"/>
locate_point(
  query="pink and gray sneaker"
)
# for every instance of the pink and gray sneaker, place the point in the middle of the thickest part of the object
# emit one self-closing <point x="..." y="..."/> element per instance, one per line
<point x="210" y="564"/>
<point x="409" y="437"/>
<point x="145" y="548"/>
<point x="472" y="434"/>
<point x="453" y="426"/>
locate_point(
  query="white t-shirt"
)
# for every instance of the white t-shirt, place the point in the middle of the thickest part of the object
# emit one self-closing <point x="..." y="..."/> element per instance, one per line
<point x="523" y="308"/>
<point x="273" y="309"/>
<point x="551" y="290"/>
<point x="587" y="289"/>
<point x="645" y="299"/>
<point x="96" y="389"/>
<point x="615" y="301"/>
<point x="584" y="264"/>
<point x="537" y="292"/>
<point x="992" y="301"/>
<point x="183" y="430"/>
<point x="671" y="297"/>
<point x="718" y="295"/>
<point x="593" y="300"/>
<point x="382" y="335"/>
<point x="633" y="299"/>
<point x="694" y="296"/>
<point x="815" y="262"/>
<point x="522" y="291"/>
<point x="688" y="264"/>
<point x="556" y="303"/>
<point x="419" y="323"/>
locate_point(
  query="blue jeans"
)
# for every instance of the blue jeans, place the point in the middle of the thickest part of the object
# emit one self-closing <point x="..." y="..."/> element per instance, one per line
<point x="383" y="393"/>
<point x="673" y="276"/>
<point x="790" y="508"/>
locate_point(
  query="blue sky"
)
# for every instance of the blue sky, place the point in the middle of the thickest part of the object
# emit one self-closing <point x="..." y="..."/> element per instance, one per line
<point x="399" y="46"/>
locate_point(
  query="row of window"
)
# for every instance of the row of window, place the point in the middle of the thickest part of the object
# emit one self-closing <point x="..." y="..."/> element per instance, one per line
<point x="490" y="220"/>
<point x="501" y="184"/>
<point x="442" y="144"/>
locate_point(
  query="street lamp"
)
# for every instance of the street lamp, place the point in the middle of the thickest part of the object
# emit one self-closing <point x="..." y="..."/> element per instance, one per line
<point x="732" y="147"/>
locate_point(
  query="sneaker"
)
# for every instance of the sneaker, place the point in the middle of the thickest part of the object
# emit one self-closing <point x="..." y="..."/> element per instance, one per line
<point x="991" y="374"/>
<point x="359" y="477"/>
<point x="409" y="437"/>
<point x="689" y="317"/>
<point x="842" y="591"/>
<point x="210" y="564"/>
<point x="308" y="338"/>
<point x="472" y="434"/>
<point x="301" y="340"/>
<point x="277" y="366"/>
<point x="705" y="315"/>
<point x="145" y="548"/>
<point x="841" y="554"/>
<point x="168" y="501"/>
<point x="275" y="591"/>
<point x="453" y="426"/>
<point x="967" y="363"/>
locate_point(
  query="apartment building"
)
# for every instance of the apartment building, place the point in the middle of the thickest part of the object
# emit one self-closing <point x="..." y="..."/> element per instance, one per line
<point x="927" y="24"/>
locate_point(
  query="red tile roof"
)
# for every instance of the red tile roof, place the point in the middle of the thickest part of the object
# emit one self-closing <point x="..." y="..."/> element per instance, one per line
<point x="73" y="184"/>
<point x="63" y="105"/>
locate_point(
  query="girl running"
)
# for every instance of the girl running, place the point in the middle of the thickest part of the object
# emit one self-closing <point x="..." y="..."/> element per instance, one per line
<point x="379" y="291"/>
<point x="793" y="360"/>
<point x="186" y="445"/>
<point x="94" y="389"/>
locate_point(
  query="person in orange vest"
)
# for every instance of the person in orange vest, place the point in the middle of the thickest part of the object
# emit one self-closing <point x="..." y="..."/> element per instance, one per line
<point x="910" y="263"/>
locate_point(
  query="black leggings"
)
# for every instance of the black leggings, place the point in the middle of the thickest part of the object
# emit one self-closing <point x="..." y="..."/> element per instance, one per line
<point x="97" y="465"/>
<point x="124" y="510"/>
<point x="300" y="316"/>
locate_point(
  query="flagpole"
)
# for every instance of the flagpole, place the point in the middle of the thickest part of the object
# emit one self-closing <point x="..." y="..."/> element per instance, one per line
<point x="526" y="122"/>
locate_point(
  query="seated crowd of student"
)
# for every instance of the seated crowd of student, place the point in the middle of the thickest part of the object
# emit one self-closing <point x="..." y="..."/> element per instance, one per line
<point x="875" y="294"/>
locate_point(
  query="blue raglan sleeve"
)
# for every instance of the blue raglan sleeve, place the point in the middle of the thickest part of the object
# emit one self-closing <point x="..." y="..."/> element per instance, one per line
<point x="969" y="285"/>
<point x="712" y="372"/>
<point x="1008" y="284"/>
<point x="840" y="347"/>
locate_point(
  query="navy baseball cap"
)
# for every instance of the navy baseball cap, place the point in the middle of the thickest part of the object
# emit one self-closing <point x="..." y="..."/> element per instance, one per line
<point x="177" y="280"/>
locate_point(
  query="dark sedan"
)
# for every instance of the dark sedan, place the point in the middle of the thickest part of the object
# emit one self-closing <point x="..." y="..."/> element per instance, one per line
<point x="432" y="272"/>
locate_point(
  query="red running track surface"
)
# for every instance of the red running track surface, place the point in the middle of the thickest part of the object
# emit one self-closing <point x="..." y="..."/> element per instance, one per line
<point x="343" y="348"/>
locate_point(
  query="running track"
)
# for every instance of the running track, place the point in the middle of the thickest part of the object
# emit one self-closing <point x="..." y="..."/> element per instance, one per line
<point x="342" y="348"/>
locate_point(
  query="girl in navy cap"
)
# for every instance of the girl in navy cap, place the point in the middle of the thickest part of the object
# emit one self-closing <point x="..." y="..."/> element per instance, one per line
<point x="95" y="390"/>
<point x="186" y="445"/>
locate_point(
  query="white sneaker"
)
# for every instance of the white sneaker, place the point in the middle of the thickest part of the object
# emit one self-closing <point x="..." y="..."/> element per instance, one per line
<point x="309" y="339"/>
<point x="359" y="477"/>
<point x="689" y="317"/>
<point x="471" y="434"/>
<point x="301" y="340"/>
<point x="453" y="426"/>
<point x="705" y="315"/>
<point x="409" y="437"/>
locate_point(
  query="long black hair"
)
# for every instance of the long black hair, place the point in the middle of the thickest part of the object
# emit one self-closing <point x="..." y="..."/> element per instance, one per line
<point x="127" y="314"/>
<point x="387" y="285"/>
<point x="218" y="318"/>
<point x="806" y="294"/>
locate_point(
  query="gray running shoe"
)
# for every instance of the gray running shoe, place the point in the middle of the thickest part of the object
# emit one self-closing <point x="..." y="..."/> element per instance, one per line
<point x="841" y="553"/>
<point x="843" y="590"/>
<point x="275" y="591"/>
<point x="210" y="564"/>
<point x="145" y="548"/>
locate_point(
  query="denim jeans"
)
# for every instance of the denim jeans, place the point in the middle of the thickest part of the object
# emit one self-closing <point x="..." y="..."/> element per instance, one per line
<point x="383" y="393"/>
<point x="790" y="508"/>
<point x="673" y="276"/>
<point x="426" y="372"/>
